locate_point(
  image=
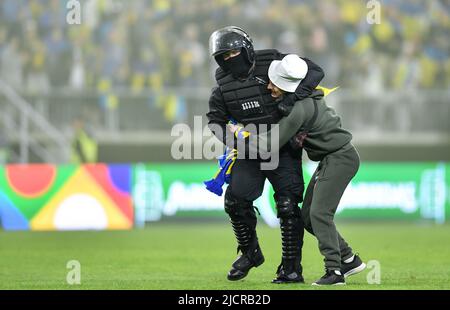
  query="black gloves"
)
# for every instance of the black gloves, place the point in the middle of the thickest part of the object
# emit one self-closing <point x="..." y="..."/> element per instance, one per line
<point x="297" y="141"/>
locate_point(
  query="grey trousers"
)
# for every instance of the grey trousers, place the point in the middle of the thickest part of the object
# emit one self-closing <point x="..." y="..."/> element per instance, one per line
<point x="322" y="198"/>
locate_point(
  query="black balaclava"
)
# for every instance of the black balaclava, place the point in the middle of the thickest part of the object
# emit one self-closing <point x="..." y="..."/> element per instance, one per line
<point x="238" y="65"/>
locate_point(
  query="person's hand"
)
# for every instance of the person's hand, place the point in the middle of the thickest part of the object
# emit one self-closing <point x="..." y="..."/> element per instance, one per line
<point x="286" y="104"/>
<point x="238" y="131"/>
<point x="297" y="141"/>
<point x="233" y="128"/>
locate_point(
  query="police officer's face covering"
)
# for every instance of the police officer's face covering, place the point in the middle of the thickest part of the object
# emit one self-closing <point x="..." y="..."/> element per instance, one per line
<point x="238" y="65"/>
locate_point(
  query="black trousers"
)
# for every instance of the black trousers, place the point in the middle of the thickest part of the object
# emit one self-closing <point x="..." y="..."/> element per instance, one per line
<point x="247" y="178"/>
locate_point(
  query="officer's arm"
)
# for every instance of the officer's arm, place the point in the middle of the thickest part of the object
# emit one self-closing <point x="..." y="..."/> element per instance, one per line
<point x="288" y="126"/>
<point x="218" y="118"/>
<point x="304" y="89"/>
<point x="312" y="79"/>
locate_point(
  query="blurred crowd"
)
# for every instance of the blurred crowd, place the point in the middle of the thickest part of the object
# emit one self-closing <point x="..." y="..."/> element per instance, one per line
<point x="149" y="45"/>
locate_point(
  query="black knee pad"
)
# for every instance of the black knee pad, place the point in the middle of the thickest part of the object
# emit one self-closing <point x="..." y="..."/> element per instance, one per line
<point x="240" y="209"/>
<point x="234" y="205"/>
<point x="287" y="207"/>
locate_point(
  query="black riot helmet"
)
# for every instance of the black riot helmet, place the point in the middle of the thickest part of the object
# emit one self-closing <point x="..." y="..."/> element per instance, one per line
<point x="231" y="38"/>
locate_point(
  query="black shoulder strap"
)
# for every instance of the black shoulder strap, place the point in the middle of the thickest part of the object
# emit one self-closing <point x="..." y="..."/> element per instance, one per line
<point x="267" y="55"/>
<point x="313" y="119"/>
<point x="297" y="141"/>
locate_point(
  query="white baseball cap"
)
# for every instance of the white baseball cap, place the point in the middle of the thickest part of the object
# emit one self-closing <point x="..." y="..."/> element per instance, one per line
<point x="286" y="74"/>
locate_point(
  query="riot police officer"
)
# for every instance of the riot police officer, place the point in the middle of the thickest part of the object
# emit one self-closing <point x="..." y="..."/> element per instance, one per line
<point x="241" y="93"/>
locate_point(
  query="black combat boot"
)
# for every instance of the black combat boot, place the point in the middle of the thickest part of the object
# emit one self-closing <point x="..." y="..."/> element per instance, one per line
<point x="290" y="269"/>
<point x="243" y="219"/>
<point x="291" y="225"/>
<point x="251" y="256"/>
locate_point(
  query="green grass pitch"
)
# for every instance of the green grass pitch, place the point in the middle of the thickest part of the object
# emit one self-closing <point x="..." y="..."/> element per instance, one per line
<point x="198" y="256"/>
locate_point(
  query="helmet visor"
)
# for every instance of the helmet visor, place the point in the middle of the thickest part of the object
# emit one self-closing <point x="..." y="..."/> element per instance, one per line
<point x="223" y="40"/>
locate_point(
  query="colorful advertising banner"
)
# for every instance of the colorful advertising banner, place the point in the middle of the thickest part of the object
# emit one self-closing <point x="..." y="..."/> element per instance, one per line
<point x="47" y="197"/>
<point x="379" y="191"/>
<point x="100" y="196"/>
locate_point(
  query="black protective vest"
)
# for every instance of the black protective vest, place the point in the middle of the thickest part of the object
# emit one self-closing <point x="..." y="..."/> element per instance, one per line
<point x="249" y="101"/>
